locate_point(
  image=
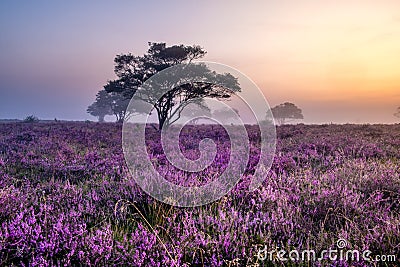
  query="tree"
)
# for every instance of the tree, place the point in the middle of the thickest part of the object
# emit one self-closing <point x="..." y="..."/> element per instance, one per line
<point x="132" y="71"/>
<point x="397" y="114"/>
<point x="31" y="118"/>
<point x="110" y="104"/>
<point x="286" y="111"/>
<point x="101" y="106"/>
<point x="118" y="105"/>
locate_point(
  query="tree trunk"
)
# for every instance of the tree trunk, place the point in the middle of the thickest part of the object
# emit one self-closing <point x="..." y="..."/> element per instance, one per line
<point x="161" y="122"/>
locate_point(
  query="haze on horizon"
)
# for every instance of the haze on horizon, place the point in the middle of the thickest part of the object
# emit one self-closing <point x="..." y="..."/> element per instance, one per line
<point x="338" y="61"/>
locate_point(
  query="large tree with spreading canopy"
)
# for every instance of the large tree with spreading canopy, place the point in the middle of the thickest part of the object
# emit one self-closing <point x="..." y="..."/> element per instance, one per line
<point x="132" y="71"/>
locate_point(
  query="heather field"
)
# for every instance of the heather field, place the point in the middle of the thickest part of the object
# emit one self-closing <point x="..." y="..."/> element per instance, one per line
<point x="67" y="198"/>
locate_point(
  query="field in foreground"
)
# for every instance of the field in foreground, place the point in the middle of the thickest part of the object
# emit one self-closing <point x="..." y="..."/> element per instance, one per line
<point x="66" y="198"/>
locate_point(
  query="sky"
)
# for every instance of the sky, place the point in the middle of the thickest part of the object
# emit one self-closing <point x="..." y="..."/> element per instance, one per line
<point x="339" y="61"/>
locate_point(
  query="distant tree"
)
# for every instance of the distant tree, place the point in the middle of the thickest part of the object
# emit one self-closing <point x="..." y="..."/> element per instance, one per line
<point x="397" y="114"/>
<point x="132" y="71"/>
<point x="31" y="118"/>
<point x="286" y="111"/>
<point x="119" y="105"/>
<point x="101" y="106"/>
<point x="111" y="103"/>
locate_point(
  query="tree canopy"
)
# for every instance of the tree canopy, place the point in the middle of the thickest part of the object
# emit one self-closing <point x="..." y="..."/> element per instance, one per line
<point x="101" y="106"/>
<point x="109" y="104"/>
<point x="132" y="71"/>
<point x="286" y="111"/>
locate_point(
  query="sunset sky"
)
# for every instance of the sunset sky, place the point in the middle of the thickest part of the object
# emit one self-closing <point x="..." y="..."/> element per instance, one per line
<point x="337" y="60"/>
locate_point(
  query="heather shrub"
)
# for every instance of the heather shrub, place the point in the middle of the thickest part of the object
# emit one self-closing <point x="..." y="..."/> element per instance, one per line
<point x="66" y="198"/>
